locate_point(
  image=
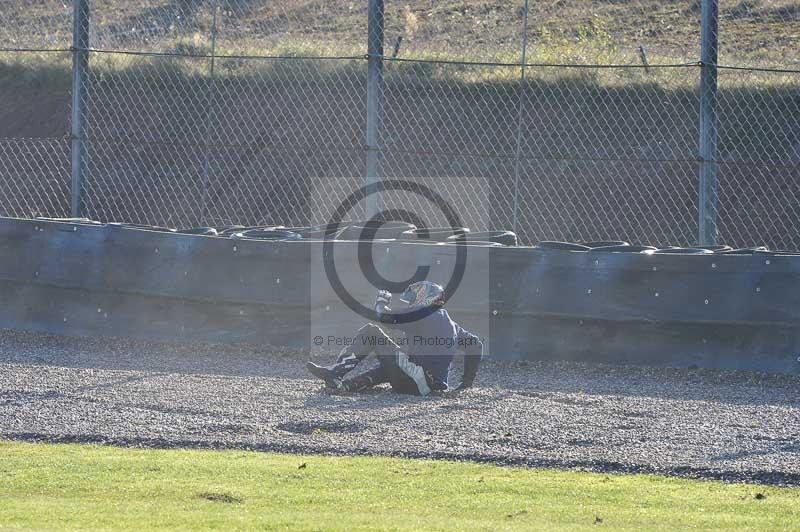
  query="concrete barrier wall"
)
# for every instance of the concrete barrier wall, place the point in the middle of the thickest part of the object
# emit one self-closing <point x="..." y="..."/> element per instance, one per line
<point x="731" y="311"/>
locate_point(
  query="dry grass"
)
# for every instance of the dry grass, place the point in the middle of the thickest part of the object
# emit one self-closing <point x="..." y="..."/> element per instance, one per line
<point x="755" y="32"/>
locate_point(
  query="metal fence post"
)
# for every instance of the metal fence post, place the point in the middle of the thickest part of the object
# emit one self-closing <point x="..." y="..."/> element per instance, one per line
<point x="374" y="102"/>
<point x="707" y="227"/>
<point x="209" y="115"/>
<point x="515" y="206"/>
<point x="80" y="70"/>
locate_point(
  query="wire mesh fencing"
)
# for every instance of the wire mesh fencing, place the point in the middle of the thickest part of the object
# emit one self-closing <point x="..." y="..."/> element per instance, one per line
<point x="560" y="122"/>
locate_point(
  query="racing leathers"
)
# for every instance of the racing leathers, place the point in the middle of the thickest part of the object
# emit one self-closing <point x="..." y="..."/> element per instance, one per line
<point x="418" y="366"/>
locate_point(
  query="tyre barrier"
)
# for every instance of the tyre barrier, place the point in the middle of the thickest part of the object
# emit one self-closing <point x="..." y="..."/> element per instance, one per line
<point x="555" y="301"/>
<point x="624" y="247"/>
<point x="380" y="230"/>
<point x="351" y="230"/>
<point x="744" y="251"/>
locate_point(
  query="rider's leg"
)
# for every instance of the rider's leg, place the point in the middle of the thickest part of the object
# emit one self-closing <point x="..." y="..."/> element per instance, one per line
<point x="363" y="381"/>
<point x="405" y="375"/>
<point x="366" y="339"/>
<point x="370" y="338"/>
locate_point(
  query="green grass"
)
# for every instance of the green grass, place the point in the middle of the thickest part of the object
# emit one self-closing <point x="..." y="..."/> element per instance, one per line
<point x="46" y="486"/>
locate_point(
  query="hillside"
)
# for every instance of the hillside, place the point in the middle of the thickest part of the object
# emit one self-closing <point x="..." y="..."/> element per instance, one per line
<point x="756" y="32"/>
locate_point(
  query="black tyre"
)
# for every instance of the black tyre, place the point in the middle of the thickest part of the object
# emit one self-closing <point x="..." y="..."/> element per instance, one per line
<point x="627" y="248"/>
<point x="319" y="231"/>
<point x="372" y="230"/>
<point x="564" y="246"/>
<point x="434" y="234"/>
<point x="84" y="221"/>
<point x="142" y="226"/>
<point x="226" y="230"/>
<point x="320" y="234"/>
<point x="479" y="243"/>
<point x="745" y="251"/>
<point x="231" y="229"/>
<point x="391" y="224"/>
<point x="207" y="231"/>
<point x="683" y="251"/>
<point x="268" y="234"/>
<point x="605" y="243"/>
<point x="507" y="238"/>
<point x="777" y="252"/>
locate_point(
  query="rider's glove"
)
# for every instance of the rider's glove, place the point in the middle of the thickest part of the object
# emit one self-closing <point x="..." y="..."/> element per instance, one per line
<point x="382" y="301"/>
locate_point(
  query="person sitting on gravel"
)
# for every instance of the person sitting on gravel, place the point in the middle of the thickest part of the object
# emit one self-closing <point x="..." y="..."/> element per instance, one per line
<point x="432" y="339"/>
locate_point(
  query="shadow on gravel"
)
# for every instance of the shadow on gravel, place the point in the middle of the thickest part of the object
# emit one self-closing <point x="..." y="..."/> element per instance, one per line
<point x="582" y="384"/>
<point x="17" y="398"/>
<point x="316" y="427"/>
<point x="122" y="354"/>
<point x="383" y="400"/>
<point x="789" y="448"/>
<point x="568" y="383"/>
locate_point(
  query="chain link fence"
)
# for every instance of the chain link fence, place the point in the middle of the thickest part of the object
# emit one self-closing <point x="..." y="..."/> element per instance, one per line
<point x="567" y="120"/>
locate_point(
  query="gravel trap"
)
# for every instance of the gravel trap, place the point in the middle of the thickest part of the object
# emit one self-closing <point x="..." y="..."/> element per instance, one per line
<point x="733" y="426"/>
